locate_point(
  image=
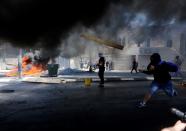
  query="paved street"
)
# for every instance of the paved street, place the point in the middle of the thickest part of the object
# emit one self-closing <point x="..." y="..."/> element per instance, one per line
<point x="30" y="107"/>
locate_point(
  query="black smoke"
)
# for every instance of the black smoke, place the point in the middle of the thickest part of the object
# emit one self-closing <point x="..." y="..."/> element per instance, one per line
<point x="27" y="23"/>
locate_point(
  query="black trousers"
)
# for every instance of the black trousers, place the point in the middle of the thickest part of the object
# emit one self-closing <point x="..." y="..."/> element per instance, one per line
<point x="101" y="75"/>
<point x="134" y="69"/>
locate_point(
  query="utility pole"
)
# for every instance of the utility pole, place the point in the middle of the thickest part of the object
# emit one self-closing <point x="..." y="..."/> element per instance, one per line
<point x="20" y="64"/>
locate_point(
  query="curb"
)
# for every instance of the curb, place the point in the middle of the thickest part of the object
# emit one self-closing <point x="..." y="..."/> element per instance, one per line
<point x="57" y="80"/>
<point x="114" y="79"/>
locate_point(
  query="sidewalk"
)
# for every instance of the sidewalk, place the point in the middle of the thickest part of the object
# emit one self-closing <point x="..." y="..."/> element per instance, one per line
<point x="112" y="76"/>
<point x="81" y="76"/>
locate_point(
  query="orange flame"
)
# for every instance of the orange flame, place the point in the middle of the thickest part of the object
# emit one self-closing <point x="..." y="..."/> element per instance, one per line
<point x="28" y="68"/>
<point x="36" y="69"/>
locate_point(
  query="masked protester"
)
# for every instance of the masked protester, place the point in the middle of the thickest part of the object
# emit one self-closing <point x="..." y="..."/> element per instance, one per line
<point x="162" y="79"/>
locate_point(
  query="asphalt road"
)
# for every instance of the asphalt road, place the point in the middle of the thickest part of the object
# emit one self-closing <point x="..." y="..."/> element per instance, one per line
<point x="43" y="107"/>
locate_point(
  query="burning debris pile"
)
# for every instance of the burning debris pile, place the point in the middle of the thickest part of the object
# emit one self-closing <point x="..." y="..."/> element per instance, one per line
<point x="30" y="66"/>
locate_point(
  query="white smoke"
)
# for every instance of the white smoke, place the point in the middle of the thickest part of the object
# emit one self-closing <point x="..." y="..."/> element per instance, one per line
<point x="122" y="24"/>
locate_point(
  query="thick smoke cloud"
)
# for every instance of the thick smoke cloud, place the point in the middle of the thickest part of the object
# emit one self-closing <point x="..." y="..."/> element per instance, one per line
<point x="24" y="22"/>
<point x="27" y="23"/>
<point x="158" y="10"/>
<point x="141" y="19"/>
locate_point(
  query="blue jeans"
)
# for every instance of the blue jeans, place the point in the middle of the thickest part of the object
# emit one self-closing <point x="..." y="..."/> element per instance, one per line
<point x="166" y="87"/>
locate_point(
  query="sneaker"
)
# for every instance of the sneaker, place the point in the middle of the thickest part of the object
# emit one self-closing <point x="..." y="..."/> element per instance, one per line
<point x="141" y="105"/>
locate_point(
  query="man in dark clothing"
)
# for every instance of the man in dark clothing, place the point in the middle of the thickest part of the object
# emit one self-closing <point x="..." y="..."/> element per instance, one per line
<point x="162" y="78"/>
<point x="107" y="65"/>
<point x="178" y="62"/>
<point x="134" y="66"/>
<point x="101" y="66"/>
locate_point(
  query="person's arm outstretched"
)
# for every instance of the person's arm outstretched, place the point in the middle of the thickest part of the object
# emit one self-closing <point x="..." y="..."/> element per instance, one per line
<point x="149" y="71"/>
